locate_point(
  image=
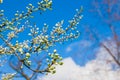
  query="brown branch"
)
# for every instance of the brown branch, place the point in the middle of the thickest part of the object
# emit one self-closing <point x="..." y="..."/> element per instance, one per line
<point x="111" y="54"/>
<point x="16" y="69"/>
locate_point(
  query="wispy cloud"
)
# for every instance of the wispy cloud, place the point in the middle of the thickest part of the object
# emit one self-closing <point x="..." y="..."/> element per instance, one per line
<point x="78" y="45"/>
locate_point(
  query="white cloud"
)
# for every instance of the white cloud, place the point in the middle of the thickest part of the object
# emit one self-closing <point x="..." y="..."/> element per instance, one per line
<point x="98" y="69"/>
<point x="69" y="71"/>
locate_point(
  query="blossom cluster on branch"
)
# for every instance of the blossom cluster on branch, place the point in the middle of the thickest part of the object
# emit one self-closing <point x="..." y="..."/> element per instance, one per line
<point x="40" y="41"/>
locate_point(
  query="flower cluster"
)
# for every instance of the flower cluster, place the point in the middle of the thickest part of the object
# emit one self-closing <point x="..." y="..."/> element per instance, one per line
<point x="55" y="59"/>
<point x="8" y="76"/>
<point x="2" y="50"/>
<point x="43" y="5"/>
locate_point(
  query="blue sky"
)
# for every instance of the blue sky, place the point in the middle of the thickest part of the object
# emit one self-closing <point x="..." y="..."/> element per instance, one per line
<point x="65" y="10"/>
<point x="82" y="50"/>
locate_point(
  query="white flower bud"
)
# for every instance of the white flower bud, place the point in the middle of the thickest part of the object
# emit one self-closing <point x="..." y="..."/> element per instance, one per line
<point x="27" y="54"/>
